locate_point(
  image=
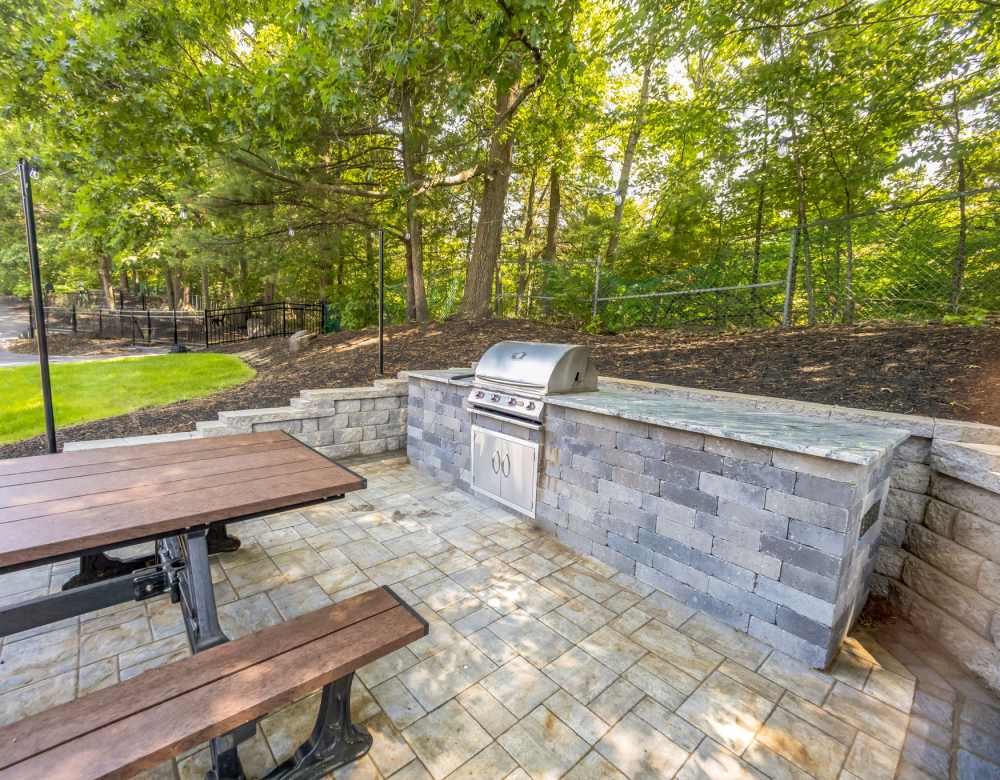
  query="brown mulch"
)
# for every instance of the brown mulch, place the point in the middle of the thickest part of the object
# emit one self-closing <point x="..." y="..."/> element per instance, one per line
<point x="937" y="370"/>
<point x="70" y="344"/>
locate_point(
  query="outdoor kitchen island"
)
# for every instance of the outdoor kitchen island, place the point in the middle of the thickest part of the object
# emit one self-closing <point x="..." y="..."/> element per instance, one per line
<point x="768" y="521"/>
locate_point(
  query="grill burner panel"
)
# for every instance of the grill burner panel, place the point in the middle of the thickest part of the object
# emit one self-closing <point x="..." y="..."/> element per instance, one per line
<point x="507" y="404"/>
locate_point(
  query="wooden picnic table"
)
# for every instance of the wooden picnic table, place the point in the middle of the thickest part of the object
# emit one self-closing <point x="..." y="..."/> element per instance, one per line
<point x="82" y="504"/>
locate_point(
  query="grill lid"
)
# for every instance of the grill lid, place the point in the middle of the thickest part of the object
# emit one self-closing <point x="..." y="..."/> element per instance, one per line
<point x="537" y="368"/>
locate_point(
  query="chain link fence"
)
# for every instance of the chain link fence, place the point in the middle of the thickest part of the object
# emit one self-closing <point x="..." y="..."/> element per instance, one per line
<point x="933" y="259"/>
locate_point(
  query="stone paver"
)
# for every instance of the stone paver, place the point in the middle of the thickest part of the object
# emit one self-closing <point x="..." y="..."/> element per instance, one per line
<point x="541" y="663"/>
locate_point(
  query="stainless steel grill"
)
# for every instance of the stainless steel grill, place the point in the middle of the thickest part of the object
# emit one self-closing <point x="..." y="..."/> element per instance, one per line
<point x="511" y="382"/>
<point x="512" y="377"/>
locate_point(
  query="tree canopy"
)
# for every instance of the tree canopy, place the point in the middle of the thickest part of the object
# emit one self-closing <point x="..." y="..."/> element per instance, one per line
<point x="512" y="150"/>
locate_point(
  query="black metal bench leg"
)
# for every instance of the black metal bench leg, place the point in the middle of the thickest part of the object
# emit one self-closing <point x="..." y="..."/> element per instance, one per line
<point x="225" y="759"/>
<point x="335" y="741"/>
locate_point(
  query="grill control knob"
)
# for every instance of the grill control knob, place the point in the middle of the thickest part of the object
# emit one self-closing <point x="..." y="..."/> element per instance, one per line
<point x="479" y="394"/>
<point x="512" y="402"/>
<point x="495" y="397"/>
<point x="531" y="405"/>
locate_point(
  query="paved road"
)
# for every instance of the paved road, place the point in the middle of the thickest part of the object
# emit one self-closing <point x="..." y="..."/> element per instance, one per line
<point x="14" y="322"/>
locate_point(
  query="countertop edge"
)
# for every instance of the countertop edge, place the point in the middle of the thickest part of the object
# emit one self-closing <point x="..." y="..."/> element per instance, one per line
<point x="895" y="435"/>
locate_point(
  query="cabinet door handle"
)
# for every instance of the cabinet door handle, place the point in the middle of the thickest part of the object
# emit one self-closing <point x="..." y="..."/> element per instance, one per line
<point x="495" y="461"/>
<point x="507" y="459"/>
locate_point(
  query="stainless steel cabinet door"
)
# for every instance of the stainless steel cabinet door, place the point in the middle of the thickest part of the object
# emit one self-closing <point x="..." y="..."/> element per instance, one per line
<point x="519" y="474"/>
<point x="486" y="461"/>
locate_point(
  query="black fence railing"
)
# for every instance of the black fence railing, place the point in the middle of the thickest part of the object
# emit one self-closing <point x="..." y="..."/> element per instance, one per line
<point x="261" y="320"/>
<point x="228" y="325"/>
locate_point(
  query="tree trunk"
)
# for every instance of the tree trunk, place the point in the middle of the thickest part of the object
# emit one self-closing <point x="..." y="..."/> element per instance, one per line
<point x="551" y="233"/>
<point x="107" y="286"/>
<point x="411" y="311"/>
<point x="522" y="260"/>
<point x="626" y="173"/>
<point x="489" y="229"/>
<point x="371" y="272"/>
<point x="412" y="153"/>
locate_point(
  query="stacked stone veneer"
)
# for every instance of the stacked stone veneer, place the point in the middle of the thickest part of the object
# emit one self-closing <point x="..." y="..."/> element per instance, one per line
<point x="939" y="555"/>
<point x="340" y="422"/>
<point x="764" y="539"/>
<point x="439" y="430"/>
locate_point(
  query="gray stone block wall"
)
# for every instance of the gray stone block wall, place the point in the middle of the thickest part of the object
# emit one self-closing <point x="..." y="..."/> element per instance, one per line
<point x="924" y="564"/>
<point x="339" y="422"/>
<point x="765" y="540"/>
<point x="940" y="564"/>
<point x="438" y="431"/>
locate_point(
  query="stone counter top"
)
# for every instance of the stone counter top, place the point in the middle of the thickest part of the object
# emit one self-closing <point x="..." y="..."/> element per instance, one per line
<point x="836" y="440"/>
<point x="842" y="440"/>
<point x="445" y="376"/>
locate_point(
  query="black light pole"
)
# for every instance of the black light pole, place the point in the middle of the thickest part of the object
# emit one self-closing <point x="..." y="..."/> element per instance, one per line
<point x="381" y="302"/>
<point x="38" y="306"/>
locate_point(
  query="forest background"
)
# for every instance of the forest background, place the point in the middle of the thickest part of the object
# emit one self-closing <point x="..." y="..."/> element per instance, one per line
<point x="524" y="157"/>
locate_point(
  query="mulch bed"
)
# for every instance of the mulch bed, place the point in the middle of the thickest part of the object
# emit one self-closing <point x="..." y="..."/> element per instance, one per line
<point x="937" y="370"/>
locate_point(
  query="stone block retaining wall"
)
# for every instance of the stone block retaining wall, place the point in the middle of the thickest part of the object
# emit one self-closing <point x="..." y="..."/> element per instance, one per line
<point x="939" y="557"/>
<point x="340" y="422"/>
<point x="764" y="539"/>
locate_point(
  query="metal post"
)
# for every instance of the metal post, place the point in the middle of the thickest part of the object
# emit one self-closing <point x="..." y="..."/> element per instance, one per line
<point x="24" y="171"/>
<point x="786" y="319"/>
<point x="149" y="328"/>
<point x="324" y="313"/>
<point x="381" y="302"/>
<point x="597" y="285"/>
<point x="100" y="323"/>
<point x="206" y="328"/>
<point x="73" y="316"/>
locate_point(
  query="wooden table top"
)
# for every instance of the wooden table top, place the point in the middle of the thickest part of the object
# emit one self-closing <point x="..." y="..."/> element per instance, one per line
<point x="58" y="506"/>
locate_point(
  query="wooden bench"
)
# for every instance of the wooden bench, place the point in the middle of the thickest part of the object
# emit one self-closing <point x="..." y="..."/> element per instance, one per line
<point x="218" y="695"/>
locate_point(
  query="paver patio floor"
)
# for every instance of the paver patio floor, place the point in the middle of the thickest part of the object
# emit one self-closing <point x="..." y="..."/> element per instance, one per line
<point x="540" y="662"/>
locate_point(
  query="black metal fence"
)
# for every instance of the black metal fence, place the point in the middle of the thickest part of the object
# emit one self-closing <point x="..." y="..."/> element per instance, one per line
<point x="228" y="325"/>
<point x="261" y="320"/>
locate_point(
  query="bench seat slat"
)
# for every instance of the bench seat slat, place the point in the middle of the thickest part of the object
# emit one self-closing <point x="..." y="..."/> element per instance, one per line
<point x="145" y="740"/>
<point x="130" y="699"/>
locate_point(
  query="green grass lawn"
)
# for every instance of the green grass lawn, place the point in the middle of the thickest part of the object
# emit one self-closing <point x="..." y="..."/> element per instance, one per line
<point x="105" y="388"/>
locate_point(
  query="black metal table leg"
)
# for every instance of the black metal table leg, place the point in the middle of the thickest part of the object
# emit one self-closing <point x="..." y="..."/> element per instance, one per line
<point x="201" y="619"/>
<point x="98" y="567"/>
<point x="219" y="540"/>
<point x="335" y="740"/>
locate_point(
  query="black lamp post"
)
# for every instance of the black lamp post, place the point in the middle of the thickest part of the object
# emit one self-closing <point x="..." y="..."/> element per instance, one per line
<point x="24" y="171"/>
